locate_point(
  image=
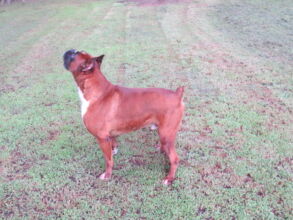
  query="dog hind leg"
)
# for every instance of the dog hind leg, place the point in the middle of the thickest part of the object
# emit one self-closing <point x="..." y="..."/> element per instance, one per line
<point x="167" y="135"/>
<point x="168" y="127"/>
<point x="168" y="146"/>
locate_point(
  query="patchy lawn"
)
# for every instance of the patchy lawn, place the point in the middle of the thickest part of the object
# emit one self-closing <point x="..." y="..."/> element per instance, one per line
<point x="235" y="59"/>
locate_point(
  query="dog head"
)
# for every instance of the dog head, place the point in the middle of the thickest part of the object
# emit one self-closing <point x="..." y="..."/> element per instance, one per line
<point x="81" y="62"/>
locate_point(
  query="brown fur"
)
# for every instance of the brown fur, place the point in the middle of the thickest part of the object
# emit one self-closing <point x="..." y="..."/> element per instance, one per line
<point x="114" y="110"/>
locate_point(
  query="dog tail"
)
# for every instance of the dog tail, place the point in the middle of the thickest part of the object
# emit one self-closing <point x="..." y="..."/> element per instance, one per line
<point x="180" y="91"/>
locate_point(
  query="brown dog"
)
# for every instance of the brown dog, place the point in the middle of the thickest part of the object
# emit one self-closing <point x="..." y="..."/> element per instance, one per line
<point x="109" y="110"/>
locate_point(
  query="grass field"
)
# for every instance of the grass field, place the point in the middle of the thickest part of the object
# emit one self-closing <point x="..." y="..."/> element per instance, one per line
<point x="234" y="57"/>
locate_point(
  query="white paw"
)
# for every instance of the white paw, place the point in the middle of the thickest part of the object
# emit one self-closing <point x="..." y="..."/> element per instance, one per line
<point x="102" y="176"/>
<point x="166" y="182"/>
<point x="115" y="151"/>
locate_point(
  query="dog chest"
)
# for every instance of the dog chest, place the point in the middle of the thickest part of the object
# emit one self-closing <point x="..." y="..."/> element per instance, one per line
<point x="84" y="103"/>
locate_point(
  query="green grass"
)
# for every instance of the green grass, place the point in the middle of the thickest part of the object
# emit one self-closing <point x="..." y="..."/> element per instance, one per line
<point x="235" y="145"/>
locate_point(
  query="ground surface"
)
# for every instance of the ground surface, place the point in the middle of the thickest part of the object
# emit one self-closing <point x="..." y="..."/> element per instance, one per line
<point x="235" y="59"/>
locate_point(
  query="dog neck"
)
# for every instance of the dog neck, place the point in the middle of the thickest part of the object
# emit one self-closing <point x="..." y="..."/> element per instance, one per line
<point x="93" y="85"/>
<point x="94" y="80"/>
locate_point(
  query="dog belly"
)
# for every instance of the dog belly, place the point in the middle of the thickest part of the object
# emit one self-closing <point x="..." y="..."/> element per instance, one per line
<point x="131" y="126"/>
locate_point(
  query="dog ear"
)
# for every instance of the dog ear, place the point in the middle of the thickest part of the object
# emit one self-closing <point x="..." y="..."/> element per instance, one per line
<point x="89" y="65"/>
<point x="99" y="59"/>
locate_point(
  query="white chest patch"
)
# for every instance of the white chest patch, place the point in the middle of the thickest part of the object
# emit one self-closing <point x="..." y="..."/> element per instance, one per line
<point x="84" y="103"/>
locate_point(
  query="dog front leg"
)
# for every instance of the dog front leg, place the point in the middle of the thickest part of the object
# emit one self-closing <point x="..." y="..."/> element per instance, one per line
<point x="106" y="147"/>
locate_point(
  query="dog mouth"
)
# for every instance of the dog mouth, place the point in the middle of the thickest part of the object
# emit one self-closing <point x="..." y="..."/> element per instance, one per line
<point x="68" y="57"/>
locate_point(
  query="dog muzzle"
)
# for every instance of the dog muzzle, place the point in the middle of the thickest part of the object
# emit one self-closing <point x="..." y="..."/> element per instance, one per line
<point x="68" y="57"/>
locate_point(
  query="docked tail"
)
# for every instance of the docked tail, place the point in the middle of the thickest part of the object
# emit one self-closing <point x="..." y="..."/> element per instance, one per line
<point x="180" y="91"/>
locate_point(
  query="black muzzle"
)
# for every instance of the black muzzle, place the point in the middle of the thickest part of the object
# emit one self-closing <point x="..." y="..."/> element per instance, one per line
<point x="68" y="57"/>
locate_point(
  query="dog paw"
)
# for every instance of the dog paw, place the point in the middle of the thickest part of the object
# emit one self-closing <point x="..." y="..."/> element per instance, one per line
<point x="167" y="181"/>
<point x="104" y="176"/>
<point x="115" y="151"/>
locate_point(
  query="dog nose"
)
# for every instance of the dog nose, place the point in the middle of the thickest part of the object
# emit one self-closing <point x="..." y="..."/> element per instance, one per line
<point x="68" y="57"/>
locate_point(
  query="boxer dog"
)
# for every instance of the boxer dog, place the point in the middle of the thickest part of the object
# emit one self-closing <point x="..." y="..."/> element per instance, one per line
<point x="110" y="110"/>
